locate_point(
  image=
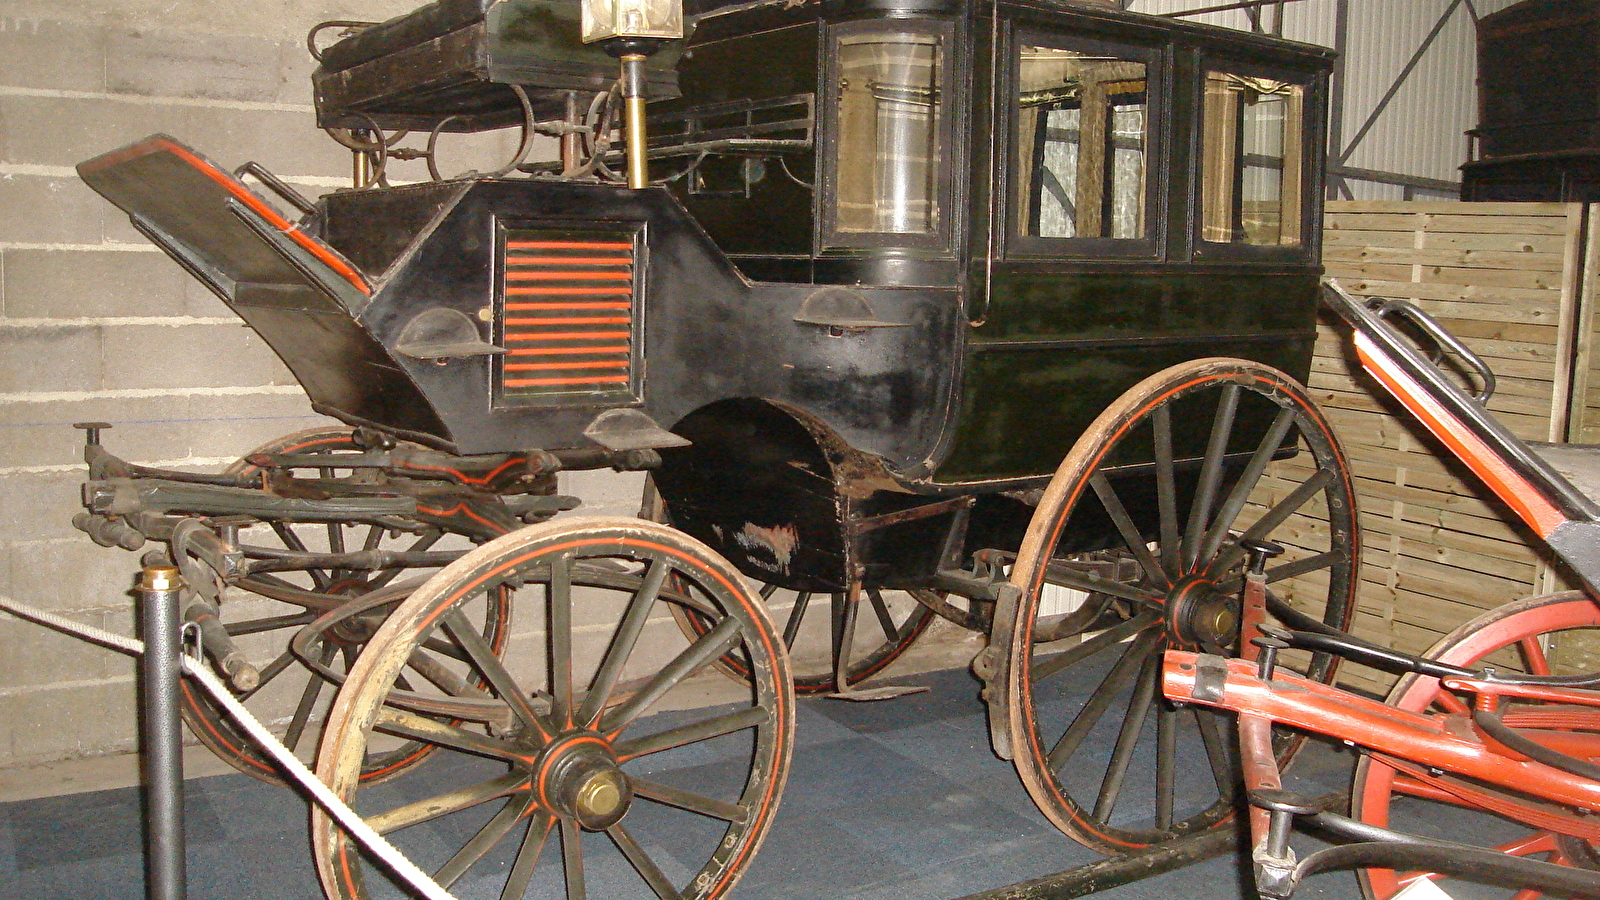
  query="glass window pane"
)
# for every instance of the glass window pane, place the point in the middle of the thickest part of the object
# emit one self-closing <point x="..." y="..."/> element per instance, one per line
<point x="1253" y="159"/>
<point x="889" y="121"/>
<point x="1082" y="133"/>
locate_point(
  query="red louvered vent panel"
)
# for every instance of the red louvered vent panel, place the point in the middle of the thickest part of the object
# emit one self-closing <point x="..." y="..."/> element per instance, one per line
<point x="566" y="316"/>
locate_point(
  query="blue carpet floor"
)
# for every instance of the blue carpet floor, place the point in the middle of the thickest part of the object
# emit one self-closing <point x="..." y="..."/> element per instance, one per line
<point x="890" y="800"/>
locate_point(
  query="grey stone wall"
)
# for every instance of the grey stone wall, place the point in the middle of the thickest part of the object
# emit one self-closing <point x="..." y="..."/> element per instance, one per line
<point x="96" y="324"/>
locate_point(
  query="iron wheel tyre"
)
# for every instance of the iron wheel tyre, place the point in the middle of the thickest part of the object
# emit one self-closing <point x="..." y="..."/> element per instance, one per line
<point x="265" y="611"/>
<point x="1109" y="779"/>
<point x="569" y="751"/>
<point x="1513" y="636"/>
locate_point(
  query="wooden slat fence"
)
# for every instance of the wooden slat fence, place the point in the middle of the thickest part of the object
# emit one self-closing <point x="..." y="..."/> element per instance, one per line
<point x="1506" y="278"/>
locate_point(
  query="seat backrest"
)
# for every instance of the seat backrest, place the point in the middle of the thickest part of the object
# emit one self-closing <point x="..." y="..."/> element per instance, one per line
<point x="209" y="219"/>
<point x="299" y="294"/>
<point x="416" y="27"/>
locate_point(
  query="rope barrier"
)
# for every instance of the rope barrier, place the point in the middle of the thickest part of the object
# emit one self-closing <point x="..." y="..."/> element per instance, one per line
<point x="347" y="818"/>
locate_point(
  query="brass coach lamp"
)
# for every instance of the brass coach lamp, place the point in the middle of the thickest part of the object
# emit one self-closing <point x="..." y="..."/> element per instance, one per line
<point x="631" y="30"/>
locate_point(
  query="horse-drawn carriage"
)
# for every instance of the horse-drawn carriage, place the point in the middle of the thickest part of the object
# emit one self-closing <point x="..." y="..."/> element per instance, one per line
<point x="980" y="311"/>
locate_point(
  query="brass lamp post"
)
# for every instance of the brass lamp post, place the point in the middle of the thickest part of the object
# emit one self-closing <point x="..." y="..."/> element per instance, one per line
<point x="631" y="30"/>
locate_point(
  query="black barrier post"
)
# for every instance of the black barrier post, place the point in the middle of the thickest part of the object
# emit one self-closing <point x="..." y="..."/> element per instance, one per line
<point x="165" y="877"/>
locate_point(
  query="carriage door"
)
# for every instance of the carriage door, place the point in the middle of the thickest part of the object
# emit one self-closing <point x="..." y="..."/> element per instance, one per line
<point x="1075" y="247"/>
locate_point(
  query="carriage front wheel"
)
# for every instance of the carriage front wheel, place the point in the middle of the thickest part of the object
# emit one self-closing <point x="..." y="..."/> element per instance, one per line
<point x="587" y="764"/>
<point x="1175" y="477"/>
<point x="264" y="611"/>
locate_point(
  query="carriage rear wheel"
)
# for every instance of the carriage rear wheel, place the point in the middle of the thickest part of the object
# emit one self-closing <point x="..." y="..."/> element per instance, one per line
<point x="883" y="626"/>
<point x="263" y="612"/>
<point x="1527" y="636"/>
<point x="595" y="738"/>
<point x="1175" y="475"/>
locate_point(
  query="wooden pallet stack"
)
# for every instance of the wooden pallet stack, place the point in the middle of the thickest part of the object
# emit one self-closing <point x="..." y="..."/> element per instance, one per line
<point x="1508" y="279"/>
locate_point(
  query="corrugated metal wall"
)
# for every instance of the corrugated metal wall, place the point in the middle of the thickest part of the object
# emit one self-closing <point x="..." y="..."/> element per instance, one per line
<point x="1420" y="130"/>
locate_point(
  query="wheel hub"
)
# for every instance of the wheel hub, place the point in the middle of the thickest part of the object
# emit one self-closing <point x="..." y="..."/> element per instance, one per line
<point x="1200" y="616"/>
<point x="356" y="630"/>
<point x="578" y="776"/>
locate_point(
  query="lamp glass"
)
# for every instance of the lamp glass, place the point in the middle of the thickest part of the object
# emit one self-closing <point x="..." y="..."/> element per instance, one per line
<point x="606" y="19"/>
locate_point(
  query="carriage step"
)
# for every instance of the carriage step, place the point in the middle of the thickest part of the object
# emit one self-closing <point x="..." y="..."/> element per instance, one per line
<point x="886" y="692"/>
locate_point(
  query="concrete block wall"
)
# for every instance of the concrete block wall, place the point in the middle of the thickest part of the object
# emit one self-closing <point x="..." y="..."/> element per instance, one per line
<point x="96" y="324"/>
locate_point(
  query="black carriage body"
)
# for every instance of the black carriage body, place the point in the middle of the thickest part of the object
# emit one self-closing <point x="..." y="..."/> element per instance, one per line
<point x="1048" y="327"/>
<point x="590" y="298"/>
<point x="917" y="249"/>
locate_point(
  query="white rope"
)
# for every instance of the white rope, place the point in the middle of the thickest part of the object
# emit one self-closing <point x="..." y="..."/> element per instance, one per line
<point x="419" y="880"/>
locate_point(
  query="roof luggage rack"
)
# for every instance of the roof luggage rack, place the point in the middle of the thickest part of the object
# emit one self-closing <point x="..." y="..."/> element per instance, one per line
<point x="449" y="66"/>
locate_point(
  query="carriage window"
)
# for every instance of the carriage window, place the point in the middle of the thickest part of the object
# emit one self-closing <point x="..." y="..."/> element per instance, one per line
<point x="889" y="125"/>
<point x="1082" y="138"/>
<point x="1252" y="159"/>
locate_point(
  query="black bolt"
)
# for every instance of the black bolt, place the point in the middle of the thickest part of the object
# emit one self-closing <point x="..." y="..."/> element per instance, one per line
<point x="94" y="429"/>
<point x="1260" y="552"/>
<point x="1284" y="806"/>
<point x="1268" y="660"/>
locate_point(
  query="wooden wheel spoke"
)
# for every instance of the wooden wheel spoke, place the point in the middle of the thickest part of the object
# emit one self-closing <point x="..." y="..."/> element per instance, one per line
<point x="711" y="645"/>
<point x="482" y="842"/>
<point x="1110" y="687"/>
<point x="1166" y="764"/>
<point x="572" y="859"/>
<point x="1453" y="704"/>
<point x="1248" y="479"/>
<point x="335" y="537"/>
<point x="885" y="620"/>
<point x="493" y="671"/>
<point x="791" y="627"/>
<point x="270" y="671"/>
<point x="1533" y="656"/>
<point x="308" y="699"/>
<point x="1211" y="472"/>
<point x="1111" y="637"/>
<point x="1166" y="490"/>
<point x="516" y="886"/>
<point x="642" y="863"/>
<point x="1291" y="569"/>
<point x="471" y="795"/>
<point x="1131" y="538"/>
<point x="1127" y="738"/>
<point x="407" y="724"/>
<point x="1277" y="515"/>
<point x="441" y="676"/>
<point x="1064" y="575"/>
<point x="1297" y="567"/>
<point x="1223" y="770"/>
<point x="692" y="733"/>
<point x="691" y="801"/>
<point x="274" y="588"/>
<point x="288" y="536"/>
<point x="559" y="641"/>
<point x="623" y="642"/>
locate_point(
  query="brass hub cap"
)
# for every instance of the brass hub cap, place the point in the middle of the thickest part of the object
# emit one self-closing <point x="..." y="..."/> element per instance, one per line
<point x="1200" y="616"/>
<point x="578" y="776"/>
